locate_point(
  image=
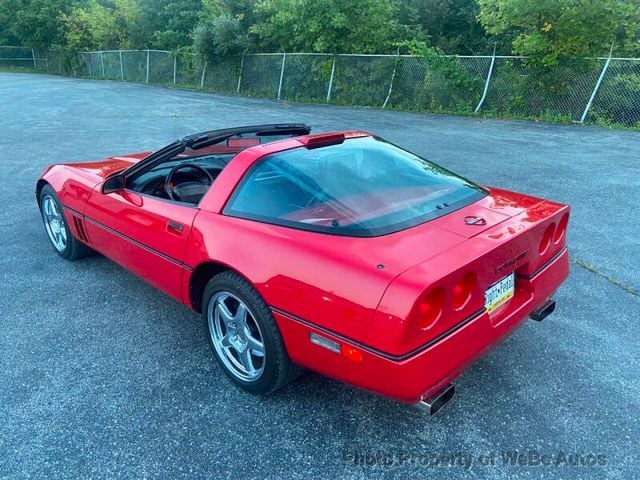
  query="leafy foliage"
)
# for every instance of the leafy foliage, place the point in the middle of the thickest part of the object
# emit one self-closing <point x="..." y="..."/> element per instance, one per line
<point x="333" y="26"/>
<point x="617" y="101"/>
<point x="450" y="25"/>
<point x="219" y="36"/>
<point x="549" y="31"/>
<point x="36" y="23"/>
<point x="553" y="35"/>
<point x="167" y="24"/>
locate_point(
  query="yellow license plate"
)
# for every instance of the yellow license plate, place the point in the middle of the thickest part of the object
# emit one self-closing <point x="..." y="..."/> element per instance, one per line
<point x="499" y="293"/>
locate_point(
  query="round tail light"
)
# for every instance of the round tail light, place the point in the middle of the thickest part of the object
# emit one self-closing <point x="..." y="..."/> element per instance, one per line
<point x="546" y="239"/>
<point x="430" y="308"/>
<point x="562" y="228"/>
<point x="463" y="289"/>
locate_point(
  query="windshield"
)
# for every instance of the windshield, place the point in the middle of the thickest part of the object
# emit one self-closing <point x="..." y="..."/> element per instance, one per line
<point x="362" y="187"/>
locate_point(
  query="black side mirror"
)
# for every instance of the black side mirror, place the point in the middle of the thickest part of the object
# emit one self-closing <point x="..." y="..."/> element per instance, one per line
<point x="114" y="183"/>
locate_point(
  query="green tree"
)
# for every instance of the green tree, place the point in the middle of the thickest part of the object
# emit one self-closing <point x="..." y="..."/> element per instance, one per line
<point x="219" y="36"/>
<point x="356" y="26"/>
<point x="126" y="15"/>
<point x="450" y="25"/>
<point x="550" y="31"/>
<point x="628" y="31"/>
<point x="90" y="27"/>
<point x="7" y="19"/>
<point x="168" y="24"/>
<point x="241" y="10"/>
<point x="35" y="23"/>
<point x="95" y="25"/>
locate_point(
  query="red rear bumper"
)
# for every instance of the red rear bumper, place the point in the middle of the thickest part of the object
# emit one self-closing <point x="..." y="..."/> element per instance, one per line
<point x="409" y="378"/>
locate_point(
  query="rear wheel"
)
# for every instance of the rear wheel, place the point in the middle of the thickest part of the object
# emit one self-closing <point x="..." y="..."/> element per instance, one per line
<point x="57" y="228"/>
<point x="244" y="335"/>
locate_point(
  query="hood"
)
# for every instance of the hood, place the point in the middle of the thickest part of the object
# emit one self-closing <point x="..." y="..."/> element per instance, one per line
<point x="104" y="168"/>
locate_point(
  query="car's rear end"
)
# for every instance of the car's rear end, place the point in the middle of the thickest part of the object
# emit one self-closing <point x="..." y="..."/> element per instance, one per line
<point x="469" y="298"/>
<point x="440" y="315"/>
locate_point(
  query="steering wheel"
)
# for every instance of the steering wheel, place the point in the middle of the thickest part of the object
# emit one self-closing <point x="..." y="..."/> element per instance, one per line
<point x="171" y="189"/>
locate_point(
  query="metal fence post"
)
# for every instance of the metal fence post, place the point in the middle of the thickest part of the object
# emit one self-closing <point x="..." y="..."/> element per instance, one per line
<point x="102" y="64"/>
<point x="486" y="83"/>
<point x="33" y="56"/>
<point x="90" y="66"/>
<point x="121" y="65"/>
<point x="46" y="59"/>
<point x="393" y="76"/>
<point x="147" y="78"/>
<point x="175" y="66"/>
<point x="333" y="71"/>
<point x="204" y="72"/>
<point x="597" y="87"/>
<point x="240" y="74"/>
<point x="284" y="59"/>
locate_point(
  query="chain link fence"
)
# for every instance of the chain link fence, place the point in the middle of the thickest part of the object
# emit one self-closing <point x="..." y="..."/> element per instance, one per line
<point x="17" y="57"/>
<point x="604" y="91"/>
<point x="618" y="99"/>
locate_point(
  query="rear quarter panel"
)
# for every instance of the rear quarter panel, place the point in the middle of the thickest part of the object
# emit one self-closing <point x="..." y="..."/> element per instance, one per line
<point x="302" y="273"/>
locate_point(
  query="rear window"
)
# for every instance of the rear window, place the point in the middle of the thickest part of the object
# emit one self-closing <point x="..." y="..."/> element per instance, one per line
<point x="363" y="187"/>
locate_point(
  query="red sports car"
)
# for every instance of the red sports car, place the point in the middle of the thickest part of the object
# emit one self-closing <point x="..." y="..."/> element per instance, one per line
<point x="338" y="252"/>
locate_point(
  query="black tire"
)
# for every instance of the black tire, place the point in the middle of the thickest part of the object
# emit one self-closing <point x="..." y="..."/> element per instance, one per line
<point x="73" y="248"/>
<point x="278" y="370"/>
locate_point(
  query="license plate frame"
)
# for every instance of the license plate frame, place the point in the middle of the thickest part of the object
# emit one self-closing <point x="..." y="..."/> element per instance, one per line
<point x="500" y="292"/>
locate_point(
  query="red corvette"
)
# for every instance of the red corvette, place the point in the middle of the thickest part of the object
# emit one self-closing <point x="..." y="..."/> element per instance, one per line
<point x="337" y="252"/>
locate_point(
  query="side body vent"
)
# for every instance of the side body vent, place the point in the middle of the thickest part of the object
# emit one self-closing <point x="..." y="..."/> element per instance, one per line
<point x="79" y="224"/>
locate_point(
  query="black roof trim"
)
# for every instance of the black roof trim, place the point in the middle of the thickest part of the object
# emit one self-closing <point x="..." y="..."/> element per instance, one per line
<point x="212" y="137"/>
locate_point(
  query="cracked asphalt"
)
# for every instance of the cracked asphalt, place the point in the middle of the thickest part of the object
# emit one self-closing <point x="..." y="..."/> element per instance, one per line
<point x="101" y="376"/>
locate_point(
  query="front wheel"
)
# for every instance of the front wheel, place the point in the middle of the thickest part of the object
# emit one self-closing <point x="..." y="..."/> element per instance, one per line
<point x="244" y="335"/>
<point x="57" y="228"/>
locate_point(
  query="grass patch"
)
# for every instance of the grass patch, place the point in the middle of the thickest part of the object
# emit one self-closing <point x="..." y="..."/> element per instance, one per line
<point x="618" y="283"/>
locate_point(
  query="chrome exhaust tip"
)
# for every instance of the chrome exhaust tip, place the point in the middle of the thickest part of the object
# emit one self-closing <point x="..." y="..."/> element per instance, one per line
<point x="438" y="400"/>
<point x="543" y="311"/>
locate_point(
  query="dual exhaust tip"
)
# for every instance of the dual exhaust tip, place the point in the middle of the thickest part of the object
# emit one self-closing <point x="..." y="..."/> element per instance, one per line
<point x="435" y="402"/>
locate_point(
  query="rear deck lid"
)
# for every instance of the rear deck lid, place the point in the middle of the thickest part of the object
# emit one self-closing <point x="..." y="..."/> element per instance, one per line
<point x="470" y="220"/>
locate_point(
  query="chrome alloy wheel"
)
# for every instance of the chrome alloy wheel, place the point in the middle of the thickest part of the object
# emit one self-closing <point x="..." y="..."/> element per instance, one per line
<point x="236" y="336"/>
<point x="54" y="223"/>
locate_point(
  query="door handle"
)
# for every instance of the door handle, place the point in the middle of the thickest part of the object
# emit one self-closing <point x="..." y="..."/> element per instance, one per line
<point x="175" y="227"/>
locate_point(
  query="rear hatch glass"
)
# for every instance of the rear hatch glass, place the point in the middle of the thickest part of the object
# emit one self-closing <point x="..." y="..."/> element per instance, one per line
<point x="363" y="187"/>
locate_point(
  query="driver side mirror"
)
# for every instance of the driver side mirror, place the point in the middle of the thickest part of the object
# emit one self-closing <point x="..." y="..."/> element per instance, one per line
<point x="114" y="183"/>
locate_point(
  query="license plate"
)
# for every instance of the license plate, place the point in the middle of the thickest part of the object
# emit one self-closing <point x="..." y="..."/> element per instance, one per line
<point x="499" y="293"/>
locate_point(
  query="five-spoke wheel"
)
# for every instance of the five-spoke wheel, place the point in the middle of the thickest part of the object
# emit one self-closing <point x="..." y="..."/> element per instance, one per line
<point x="236" y="336"/>
<point x="56" y="226"/>
<point x="54" y="223"/>
<point x="244" y="335"/>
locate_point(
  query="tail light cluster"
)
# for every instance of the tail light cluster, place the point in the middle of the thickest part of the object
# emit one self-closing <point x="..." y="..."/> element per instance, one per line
<point x="553" y="234"/>
<point x="433" y="303"/>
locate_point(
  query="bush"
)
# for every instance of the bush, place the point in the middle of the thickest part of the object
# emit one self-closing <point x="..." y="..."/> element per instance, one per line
<point x="219" y="36"/>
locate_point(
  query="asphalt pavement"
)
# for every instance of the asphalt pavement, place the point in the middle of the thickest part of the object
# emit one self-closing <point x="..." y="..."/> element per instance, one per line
<point x="102" y="376"/>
